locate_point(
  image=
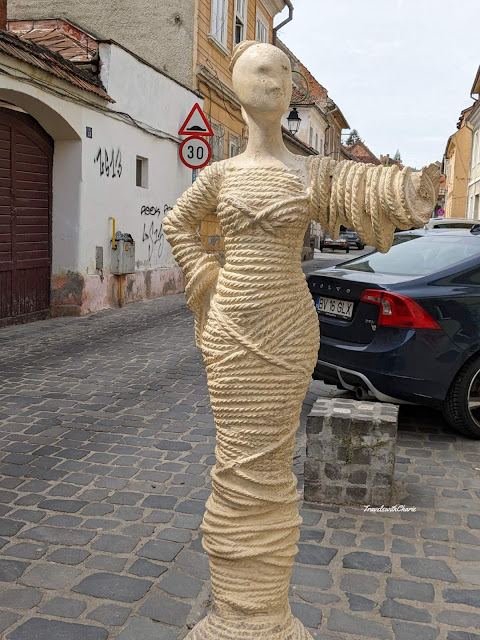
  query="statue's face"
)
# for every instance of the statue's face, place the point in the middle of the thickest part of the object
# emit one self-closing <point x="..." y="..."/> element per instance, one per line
<point x="262" y="81"/>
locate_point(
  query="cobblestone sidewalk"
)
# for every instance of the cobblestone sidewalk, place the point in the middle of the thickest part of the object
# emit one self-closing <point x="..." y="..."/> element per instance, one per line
<point x="106" y="440"/>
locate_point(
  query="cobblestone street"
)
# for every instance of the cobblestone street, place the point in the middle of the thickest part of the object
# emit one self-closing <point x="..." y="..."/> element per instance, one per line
<point x="107" y="439"/>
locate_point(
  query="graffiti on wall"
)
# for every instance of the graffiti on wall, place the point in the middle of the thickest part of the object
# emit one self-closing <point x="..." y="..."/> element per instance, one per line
<point x="109" y="162"/>
<point x="153" y="234"/>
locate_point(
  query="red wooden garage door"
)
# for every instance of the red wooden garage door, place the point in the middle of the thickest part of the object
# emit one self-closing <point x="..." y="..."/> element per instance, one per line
<point x="25" y="219"/>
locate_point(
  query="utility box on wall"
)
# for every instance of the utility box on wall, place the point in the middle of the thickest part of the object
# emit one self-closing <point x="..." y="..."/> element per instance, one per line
<point x="123" y="256"/>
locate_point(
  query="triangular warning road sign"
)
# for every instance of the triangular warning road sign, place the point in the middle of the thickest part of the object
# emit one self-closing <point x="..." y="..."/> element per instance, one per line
<point x="196" y="124"/>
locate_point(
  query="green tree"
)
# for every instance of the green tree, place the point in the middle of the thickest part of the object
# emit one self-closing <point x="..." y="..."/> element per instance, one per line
<point x="353" y="138"/>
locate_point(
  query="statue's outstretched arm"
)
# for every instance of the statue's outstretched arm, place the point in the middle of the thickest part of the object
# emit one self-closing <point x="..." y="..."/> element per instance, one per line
<point x="373" y="200"/>
<point x="181" y="230"/>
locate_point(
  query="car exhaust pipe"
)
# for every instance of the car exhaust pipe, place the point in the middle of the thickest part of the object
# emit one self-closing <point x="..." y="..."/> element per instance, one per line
<point x="363" y="394"/>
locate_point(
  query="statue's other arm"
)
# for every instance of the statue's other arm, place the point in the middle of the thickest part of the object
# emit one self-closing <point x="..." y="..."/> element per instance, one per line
<point x="373" y="200"/>
<point x="180" y="226"/>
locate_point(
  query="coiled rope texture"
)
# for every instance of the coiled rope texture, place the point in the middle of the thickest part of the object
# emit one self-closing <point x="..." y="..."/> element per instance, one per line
<point x="258" y="331"/>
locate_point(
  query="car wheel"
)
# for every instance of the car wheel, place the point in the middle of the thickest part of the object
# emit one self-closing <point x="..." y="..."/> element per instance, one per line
<point x="361" y="246"/>
<point x="462" y="405"/>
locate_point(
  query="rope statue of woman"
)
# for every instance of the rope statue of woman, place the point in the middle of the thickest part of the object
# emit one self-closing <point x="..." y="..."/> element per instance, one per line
<point x="257" y="327"/>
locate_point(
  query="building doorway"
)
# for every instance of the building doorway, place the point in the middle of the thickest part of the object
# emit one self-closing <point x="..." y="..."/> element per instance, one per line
<point x="26" y="154"/>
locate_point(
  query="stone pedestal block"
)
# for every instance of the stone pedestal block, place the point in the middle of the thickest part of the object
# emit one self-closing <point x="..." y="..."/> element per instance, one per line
<point x="350" y="452"/>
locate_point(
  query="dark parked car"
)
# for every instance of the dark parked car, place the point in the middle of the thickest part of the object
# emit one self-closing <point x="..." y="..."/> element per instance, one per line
<point x="340" y="243"/>
<point x="405" y="326"/>
<point x="353" y="239"/>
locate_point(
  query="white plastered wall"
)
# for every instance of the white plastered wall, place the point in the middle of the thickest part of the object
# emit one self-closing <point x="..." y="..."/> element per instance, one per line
<point x="473" y="194"/>
<point x="85" y="193"/>
<point x="156" y="102"/>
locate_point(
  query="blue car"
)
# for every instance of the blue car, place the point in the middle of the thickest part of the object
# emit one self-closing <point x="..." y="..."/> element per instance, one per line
<point x="404" y="326"/>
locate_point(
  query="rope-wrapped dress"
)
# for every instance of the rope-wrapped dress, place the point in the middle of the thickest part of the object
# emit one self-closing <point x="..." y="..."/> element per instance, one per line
<point x="258" y="330"/>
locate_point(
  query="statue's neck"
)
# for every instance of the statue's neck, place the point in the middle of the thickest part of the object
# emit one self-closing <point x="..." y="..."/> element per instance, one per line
<point x="265" y="141"/>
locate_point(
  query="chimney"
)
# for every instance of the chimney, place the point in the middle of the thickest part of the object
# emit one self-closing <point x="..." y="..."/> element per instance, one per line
<point x="3" y="14"/>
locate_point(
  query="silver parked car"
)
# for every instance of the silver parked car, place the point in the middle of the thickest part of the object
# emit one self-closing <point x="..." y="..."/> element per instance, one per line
<point x="451" y="223"/>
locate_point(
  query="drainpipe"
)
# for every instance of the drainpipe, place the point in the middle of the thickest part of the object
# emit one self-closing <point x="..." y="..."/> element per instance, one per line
<point x="120" y="282"/>
<point x="327" y="113"/>
<point x="282" y="24"/>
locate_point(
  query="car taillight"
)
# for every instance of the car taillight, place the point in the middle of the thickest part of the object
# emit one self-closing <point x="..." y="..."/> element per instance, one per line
<point x="397" y="310"/>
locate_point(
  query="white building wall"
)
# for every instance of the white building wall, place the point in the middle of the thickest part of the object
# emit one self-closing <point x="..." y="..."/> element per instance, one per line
<point x="66" y="206"/>
<point x="310" y="119"/>
<point x="88" y="187"/>
<point x="142" y="92"/>
<point x="111" y="190"/>
<point x="473" y="195"/>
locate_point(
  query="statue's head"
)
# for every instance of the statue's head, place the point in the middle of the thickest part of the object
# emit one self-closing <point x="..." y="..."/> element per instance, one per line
<point x="262" y="79"/>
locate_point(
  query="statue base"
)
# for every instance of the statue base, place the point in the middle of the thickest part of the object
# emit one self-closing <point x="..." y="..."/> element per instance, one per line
<point x="262" y="627"/>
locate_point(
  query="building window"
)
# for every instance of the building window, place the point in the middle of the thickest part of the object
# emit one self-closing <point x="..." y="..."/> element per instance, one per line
<point x="310" y="137"/>
<point x="219" y="21"/>
<point x="476" y="149"/>
<point x="316" y="141"/>
<point x="476" y="204"/>
<point x="234" y="145"/>
<point x="262" y="28"/>
<point x="218" y="142"/>
<point x="240" y="20"/>
<point x="142" y="172"/>
<point x="320" y="150"/>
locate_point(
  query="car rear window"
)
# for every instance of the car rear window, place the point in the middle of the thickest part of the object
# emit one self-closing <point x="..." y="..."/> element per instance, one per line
<point x="418" y="255"/>
<point x="452" y="225"/>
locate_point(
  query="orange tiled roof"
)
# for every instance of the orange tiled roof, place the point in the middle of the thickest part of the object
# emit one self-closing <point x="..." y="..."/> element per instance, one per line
<point x="52" y="62"/>
<point x="361" y="153"/>
<point x="298" y="95"/>
<point x="58" y="35"/>
<point x="318" y="94"/>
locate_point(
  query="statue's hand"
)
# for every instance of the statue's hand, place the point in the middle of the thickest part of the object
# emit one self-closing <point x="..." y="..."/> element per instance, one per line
<point x="421" y="192"/>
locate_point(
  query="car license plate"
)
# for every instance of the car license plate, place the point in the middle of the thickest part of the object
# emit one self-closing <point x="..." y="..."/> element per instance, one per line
<point x="333" y="307"/>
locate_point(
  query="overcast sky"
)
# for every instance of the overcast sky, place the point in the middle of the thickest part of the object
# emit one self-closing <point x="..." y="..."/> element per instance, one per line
<point x="400" y="70"/>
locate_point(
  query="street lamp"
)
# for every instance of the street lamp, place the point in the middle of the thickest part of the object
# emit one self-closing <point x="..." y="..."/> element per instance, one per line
<point x="293" y="121"/>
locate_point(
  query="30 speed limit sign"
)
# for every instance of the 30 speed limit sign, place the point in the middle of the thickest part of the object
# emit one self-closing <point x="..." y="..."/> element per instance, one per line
<point x="195" y="152"/>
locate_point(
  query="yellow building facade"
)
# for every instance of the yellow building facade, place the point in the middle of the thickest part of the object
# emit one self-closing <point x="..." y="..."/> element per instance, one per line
<point x="222" y="24"/>
<point x="457" y="164"/>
